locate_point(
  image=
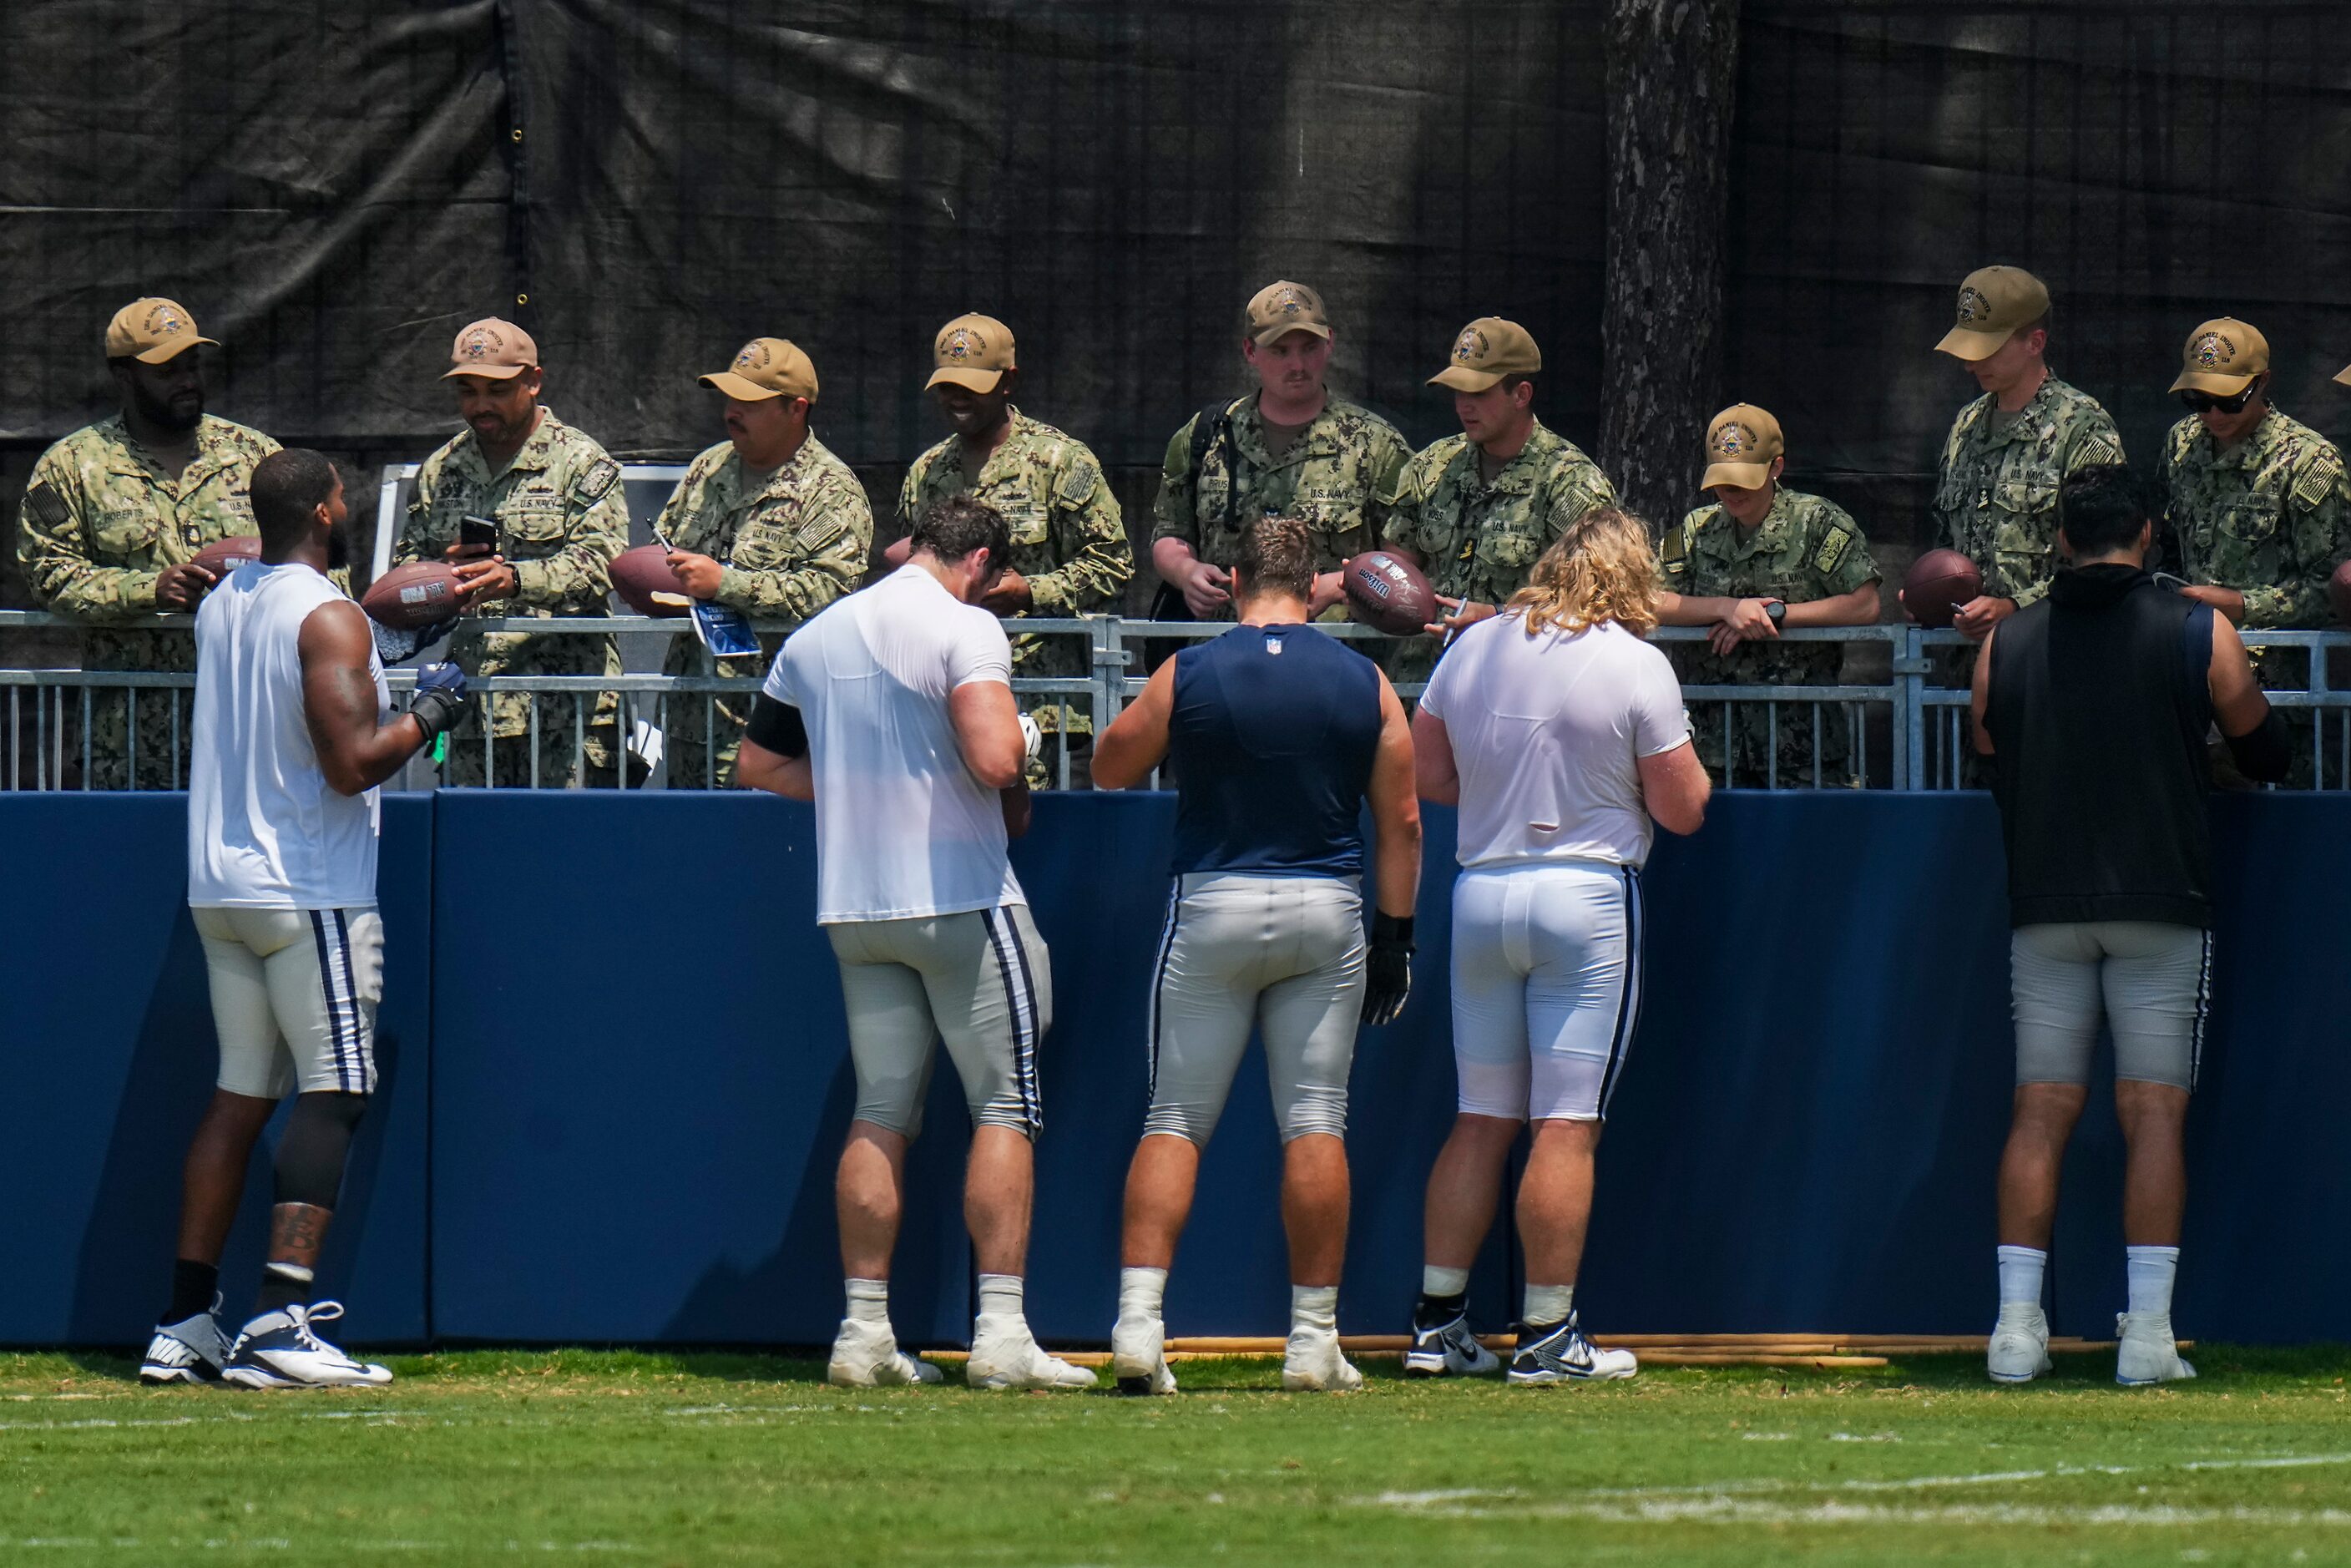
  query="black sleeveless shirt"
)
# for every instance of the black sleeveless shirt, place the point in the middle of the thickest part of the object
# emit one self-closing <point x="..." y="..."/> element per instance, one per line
<point x="2098" y="706"/>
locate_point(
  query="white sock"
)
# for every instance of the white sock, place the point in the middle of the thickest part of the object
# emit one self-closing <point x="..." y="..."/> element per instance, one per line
<point x="1314" y="1307"/>
<point x="869" y="1301"/>
<point x="1141" y="1292"/>
<point x="2019" y="1274"/>
<point x="1000" y="1297"/>
<point x="1548" y="1304"/>
<point x="2149" y="1270"/>
<point x="1437" y="1281"/>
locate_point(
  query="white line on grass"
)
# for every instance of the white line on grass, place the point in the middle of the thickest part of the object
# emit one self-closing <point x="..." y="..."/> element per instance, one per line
<point x="1706" y="1500"/>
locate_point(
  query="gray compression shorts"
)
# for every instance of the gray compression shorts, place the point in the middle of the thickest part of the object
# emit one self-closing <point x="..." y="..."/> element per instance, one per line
<point x="1284" y="954"/>
<point x="980" y="980"/>
<point x="2152" y="982"/>
<point x="293" y="996"/>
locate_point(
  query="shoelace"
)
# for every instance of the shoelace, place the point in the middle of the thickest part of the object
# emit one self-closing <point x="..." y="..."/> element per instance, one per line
<point x="305" y="1316"/>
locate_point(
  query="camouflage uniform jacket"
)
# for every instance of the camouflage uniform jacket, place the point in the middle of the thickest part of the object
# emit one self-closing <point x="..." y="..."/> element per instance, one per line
<point x="1341" y="477"/>
<point x="1996" y="497"/>
<point x="2266" y="516"/>
<point x="1479" y="538"/>
<point x="101" y="519"/>
<point x="1068" y="538"/>
<point x="1806" y="548"/>
<point x="786" y="549"/>
<point x="560" y="506"/>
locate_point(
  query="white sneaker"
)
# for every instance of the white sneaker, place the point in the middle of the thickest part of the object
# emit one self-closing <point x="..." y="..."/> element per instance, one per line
<point x="1312" y="1363"/>
<point x="278" y="1350"/>
<point x="192" y="1350"/>
<point x="1444" y="1347"/>
<point x="866" y="1356"/>
<point x="2148" y="1354"/>
<point x="2020" y="1343"/>
<point x="1009" y="1356"/>
<point x="1559" y="1353"/>
<point x="1138" y="1356"/>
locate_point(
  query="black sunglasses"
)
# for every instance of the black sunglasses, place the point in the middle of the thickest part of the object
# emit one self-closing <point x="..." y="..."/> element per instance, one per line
<point x="2199" y="401"/>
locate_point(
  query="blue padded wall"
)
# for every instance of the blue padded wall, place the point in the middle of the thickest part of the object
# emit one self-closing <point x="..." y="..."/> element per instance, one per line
<point x="107" y="1060"/>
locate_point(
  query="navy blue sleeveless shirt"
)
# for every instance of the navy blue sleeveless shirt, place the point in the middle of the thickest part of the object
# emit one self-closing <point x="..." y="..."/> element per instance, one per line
<point x="1272" y="737"/>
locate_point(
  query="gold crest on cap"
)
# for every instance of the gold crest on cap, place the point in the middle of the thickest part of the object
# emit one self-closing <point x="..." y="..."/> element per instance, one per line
<point x="1973" y="308"/>
<point x="1734" y="439"/>
<point x="754" y="356"/>
<point x="1288" y="301"/>
<point x="2212" y="350"/>
<point x="1470" y="345"/>
<point x="962" y="344"/>
<point x="164" y="321"/>
<point x="481" y="343"/>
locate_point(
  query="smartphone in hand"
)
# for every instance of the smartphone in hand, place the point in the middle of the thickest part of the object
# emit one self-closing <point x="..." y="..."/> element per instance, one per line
<point x="482" y="534"/>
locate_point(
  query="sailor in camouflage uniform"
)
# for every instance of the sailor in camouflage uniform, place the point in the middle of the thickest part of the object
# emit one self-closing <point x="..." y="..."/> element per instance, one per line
<point x="1070" y="550"/>
<point x="556" y="497"/>
<point x="2255" y="504"/>
<point x="1996" y="489"/>
<point x="1291" y="449"/>
<point x="112" y="518"/>
<point x="1476" y="509"/>
<point x="2254" y="500"/>
<point x="1761" y="559"/>
<point x="768" y="522"/>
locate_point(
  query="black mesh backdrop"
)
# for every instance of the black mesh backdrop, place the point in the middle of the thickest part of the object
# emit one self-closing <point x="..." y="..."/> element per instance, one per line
<point x="2155" y="164"/>
<point x="323" y="186"/>
<point x="1112" y="180"/>
<point x="334" y="189"/>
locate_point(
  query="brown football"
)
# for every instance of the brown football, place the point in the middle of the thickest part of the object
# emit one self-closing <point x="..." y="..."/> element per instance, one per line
<point x="221" y="557"/>
<point x="1386" y="590"/>
<point x="643" y="579"/>
<point x="408" y="598"/>
<point x="1939" y="582"/>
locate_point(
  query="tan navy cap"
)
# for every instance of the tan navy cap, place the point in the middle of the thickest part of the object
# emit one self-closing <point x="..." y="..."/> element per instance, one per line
<point x="2222" y="357"/>
<point x="766" y="368"/>
<point x="1994" y="302"/>
<point x="2343" y="375"/>
<point x="151" y="330"/>
<point x="1740" y="443"/>
<point x="972" y="351"/>
<point x="492" y="346"/>
<point x="1485" y="351"/>
<point x="1284" y="306"/>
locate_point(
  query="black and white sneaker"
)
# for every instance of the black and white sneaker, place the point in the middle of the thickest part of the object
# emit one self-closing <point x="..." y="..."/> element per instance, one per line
<point x="278" y="1350"/>
<point x="1444" y="1347"/>
<point x="190" y="1350"/>
<point x="1558" y="1352"/>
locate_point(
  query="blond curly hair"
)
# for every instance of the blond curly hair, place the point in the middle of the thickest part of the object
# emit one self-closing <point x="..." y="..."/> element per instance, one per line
<point x="1601" y="569"/>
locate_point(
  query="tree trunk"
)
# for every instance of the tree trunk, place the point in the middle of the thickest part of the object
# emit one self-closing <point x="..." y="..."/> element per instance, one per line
<point x="1670" y="64"/>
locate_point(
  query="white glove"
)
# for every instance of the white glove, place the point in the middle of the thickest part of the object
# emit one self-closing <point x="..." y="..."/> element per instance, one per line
<point x="1032" y="740"/>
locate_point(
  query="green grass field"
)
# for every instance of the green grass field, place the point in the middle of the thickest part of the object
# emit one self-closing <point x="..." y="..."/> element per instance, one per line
<point x="486" y="1456"/>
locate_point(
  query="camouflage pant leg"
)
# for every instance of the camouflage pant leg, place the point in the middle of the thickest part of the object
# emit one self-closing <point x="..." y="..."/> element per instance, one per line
<point x="569" y="754"/>
<point x="693" y="720"/>
<point x="1753" y="742"/>
<point x="149" y="754"/>
<point x="1044" y="769"/>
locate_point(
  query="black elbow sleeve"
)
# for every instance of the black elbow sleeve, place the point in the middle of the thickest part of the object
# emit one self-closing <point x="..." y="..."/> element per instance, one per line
<point x="2261" y="752"/>
<point x="777" y="726"/>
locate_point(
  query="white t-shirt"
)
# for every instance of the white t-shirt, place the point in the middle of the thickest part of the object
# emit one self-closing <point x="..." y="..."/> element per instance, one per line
<point x="266" y="831"/>
<point x="902" y="829"/>
<point x="1547" y="733"/>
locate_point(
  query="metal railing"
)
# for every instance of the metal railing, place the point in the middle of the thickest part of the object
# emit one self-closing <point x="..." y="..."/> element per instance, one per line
<point x="1904" y="732"/>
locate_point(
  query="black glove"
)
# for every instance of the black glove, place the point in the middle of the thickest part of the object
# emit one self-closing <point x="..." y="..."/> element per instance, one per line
<point x="440" y="700"/>
<point x="1388" y="969"/>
